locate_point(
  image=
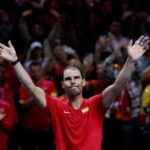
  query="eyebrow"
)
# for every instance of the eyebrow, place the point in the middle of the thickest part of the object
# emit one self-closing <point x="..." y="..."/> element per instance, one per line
<point x="75" y="77"/>
<point x="67" y="78"/>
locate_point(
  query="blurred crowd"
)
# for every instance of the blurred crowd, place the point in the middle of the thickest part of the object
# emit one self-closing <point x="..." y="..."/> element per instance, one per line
<point x="50" y="34"/>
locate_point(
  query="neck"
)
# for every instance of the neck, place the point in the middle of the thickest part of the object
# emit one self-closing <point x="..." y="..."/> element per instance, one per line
<point x="75" y="101"/>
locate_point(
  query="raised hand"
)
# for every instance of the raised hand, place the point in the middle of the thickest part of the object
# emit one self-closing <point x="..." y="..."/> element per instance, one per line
<point x="137" y="49"/>
<point x="8" y="52"/>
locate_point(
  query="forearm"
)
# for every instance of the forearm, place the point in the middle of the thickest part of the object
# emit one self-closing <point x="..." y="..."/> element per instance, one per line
<point x="24" y="78"/>
<point x="113" y="90"/>
<point x="124" y="75"/>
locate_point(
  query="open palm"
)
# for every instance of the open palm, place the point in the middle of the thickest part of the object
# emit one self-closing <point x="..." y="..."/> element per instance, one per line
<point x="137" y="49"/>
<point x="8" y="52"/>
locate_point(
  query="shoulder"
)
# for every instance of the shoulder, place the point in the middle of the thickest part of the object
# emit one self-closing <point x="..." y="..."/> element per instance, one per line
<point x="97" y="97"/>
<point x="53" y="100"/>
<point x="95" y="100"/>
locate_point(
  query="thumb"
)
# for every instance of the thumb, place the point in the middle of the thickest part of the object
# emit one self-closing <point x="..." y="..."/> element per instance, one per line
<point x="11" y="48"/>
<point x="130" y="43"/>
<point x="10" y="44"/>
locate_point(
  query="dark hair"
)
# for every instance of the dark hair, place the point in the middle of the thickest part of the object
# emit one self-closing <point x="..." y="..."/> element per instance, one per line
<point x="76" y="66"/>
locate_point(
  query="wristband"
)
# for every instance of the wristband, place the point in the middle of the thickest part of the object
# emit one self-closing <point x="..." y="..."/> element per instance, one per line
<point x="14" y="62"/>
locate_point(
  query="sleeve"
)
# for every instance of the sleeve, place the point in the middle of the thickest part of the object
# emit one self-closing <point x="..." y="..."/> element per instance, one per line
<point x="97" y="103"/>
<point x="50" y="104"/>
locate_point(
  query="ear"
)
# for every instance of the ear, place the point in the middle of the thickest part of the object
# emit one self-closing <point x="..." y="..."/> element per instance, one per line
<point x="84" y="82"/>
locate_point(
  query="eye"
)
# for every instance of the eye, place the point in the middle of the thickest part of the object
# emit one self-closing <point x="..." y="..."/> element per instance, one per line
<point x="77" y="77"/>
<point x="67" y="78"/>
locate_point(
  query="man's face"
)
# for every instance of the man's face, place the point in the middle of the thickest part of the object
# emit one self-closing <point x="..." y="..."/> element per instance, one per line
<point x="35" y="73"/>
<point x="115" y="27"/>
<point x="73" y="82"/>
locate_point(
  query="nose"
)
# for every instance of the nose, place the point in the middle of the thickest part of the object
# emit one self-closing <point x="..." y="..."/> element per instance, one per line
<point x="72" y="80"/>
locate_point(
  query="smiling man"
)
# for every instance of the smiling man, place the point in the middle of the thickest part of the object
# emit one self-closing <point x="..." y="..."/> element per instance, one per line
<point x="77" y="122"/>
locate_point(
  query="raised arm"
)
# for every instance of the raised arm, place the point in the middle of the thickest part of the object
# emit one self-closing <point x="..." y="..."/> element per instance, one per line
<point x="8" y="53"/>
<point x="135" y="51"/>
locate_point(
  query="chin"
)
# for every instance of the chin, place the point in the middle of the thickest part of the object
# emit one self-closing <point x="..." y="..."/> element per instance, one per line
<point x="74" y="93"/>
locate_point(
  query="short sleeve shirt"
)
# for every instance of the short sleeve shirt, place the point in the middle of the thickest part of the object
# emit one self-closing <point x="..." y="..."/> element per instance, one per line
<point x="77" y="129"/>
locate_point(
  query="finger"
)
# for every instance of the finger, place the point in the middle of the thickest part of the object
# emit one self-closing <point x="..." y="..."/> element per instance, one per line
<point x="10" y="44"/>
<point x="144" y="41"/>
<point x="130" y="42"/>
<point x="145" y="38"/>
<point x="2" y="46"/>
<point x="146" y="47"/>
<point x="139" y="39"/>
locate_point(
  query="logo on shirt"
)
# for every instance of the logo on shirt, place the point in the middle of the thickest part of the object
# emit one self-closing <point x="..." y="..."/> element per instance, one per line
<point x="85" y="109"/>
<point x="66" y="112"/>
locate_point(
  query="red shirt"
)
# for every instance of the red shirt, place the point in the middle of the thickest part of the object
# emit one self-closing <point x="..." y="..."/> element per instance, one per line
<point x="6" y="123"/>
<point x="77" y="129"/>
<point x="122" y="111"/>
<point x="7" y="94"/>
<point x="35" y="117"/>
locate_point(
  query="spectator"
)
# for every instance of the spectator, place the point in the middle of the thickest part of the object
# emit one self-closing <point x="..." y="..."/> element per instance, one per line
<point x="6" y="123"/>
<point x="37" y="132"/>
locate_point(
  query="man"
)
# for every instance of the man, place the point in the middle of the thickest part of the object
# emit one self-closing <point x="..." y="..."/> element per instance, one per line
<point x="77" y="123"/>
<point x="7" y="94"/>
<point x="35" y="121"/>
<point x="6" y="89"/>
